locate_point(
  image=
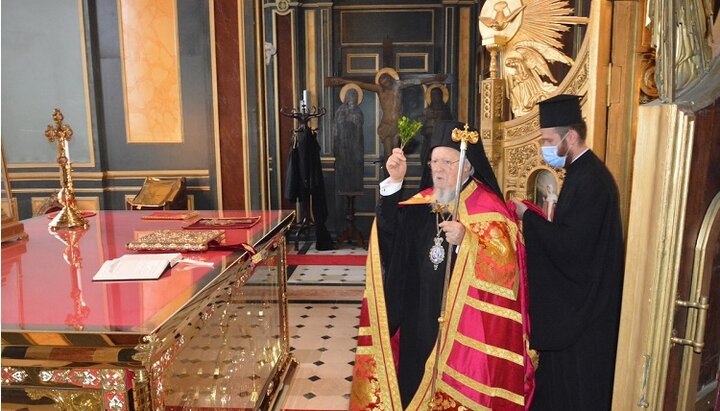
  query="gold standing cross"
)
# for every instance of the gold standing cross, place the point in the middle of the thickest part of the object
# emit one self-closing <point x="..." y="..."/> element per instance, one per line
<point x="69" y="216"/>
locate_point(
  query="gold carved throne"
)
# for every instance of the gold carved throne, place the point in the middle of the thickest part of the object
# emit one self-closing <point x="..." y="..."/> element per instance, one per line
<point x="527" y="62"/>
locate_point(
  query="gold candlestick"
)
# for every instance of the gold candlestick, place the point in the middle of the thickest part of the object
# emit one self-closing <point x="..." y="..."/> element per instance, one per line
<point x="69" y="216"/>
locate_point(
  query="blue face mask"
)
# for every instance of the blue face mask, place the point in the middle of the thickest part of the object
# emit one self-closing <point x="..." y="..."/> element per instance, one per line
<point x="551" y="157"/>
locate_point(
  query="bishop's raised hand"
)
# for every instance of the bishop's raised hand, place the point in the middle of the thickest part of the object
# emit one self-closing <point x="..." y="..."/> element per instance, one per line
<point x="396" y="165"/>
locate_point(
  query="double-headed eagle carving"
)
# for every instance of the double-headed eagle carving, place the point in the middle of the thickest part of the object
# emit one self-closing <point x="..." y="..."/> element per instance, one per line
<point x="528" y="33"/>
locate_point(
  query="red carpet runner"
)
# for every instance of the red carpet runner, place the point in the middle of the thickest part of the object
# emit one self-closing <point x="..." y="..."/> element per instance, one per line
<point x="314" y="259"/>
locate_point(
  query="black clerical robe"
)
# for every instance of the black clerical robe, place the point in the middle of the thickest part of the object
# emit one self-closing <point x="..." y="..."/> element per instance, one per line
<point x="575" y="275"/>
<point x="411" y="280"/>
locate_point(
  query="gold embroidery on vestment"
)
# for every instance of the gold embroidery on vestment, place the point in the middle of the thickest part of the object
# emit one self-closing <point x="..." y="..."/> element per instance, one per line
<point x="457" y="394"/>
<point x="483" y="306"/>
<point x="491" y="350"/>
<point x="496" y="289"/>
<point x="490" y="391"/>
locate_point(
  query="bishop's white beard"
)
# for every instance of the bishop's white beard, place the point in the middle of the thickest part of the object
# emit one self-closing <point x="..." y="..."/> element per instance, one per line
<point x="444" y="196"/>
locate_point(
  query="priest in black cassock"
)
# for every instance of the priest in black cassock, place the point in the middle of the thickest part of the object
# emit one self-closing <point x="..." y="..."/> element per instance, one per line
<point x="575" y="270"/>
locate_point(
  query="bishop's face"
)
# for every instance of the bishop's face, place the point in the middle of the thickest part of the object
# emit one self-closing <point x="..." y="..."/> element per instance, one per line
<point x="444" y="166"/>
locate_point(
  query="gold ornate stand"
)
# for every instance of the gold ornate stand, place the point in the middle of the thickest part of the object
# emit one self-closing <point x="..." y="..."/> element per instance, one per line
<point x="69" y="216"/>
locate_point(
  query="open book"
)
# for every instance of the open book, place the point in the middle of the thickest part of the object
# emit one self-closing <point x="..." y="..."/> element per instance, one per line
<point x="136" y="267"/>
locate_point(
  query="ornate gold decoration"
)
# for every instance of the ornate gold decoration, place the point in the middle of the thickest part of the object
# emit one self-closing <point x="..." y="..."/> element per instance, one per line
<point x="648" y="85"/>
<point x="176" y="240"/>
<point x="146" y="349"/>
<point x="158" y="367"/>
<point x="523" y="129"/>
<point x="11" y="375"/>
<point x="492" y="114"/>
<point x="528" y="34"/>
<point x="112" y="379"/>
<point x="523" y="162"/>
<point x="141" y="391"/>
<point x="579" y="80"/>
<point x="99" y="388"/>
<point x="69" y="400"/>
<point x="500" y="19"/>
<point x="465" y="136"/>
<point x="69" y="216"/>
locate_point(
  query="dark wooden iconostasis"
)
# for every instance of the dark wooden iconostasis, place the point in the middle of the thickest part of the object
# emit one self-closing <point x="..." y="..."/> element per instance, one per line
<point x="311" y="42"/>
<point x="354" y="41"/>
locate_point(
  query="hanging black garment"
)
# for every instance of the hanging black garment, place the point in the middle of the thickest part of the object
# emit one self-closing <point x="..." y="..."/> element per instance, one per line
<point x="305" y="179"/>
<point x="293" y="178"/>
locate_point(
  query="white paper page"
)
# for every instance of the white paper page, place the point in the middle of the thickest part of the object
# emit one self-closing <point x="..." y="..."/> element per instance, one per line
<point x="136" y="267"/>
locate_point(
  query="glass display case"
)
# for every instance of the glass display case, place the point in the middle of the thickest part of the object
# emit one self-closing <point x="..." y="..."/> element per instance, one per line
<point x="211" y="332"/>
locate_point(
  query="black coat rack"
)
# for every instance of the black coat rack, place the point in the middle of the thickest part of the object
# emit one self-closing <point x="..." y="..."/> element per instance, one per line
<point x="304" y="182"/>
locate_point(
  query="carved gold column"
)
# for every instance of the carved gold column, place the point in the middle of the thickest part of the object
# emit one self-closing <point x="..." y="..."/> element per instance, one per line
<point x="492" y="106"/>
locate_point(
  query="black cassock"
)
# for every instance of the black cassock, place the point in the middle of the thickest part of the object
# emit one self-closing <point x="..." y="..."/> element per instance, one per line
<point x="575" y="274"/>
<point x="304" y="178"/>
<point x="413" y="288"/>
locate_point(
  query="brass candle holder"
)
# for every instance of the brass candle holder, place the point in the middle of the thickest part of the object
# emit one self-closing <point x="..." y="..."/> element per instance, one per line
<point x="69" y="216"/>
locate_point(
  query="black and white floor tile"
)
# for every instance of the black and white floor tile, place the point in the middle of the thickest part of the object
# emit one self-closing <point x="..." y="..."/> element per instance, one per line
<point x="323" y="332"/>
<point x="331" y="274"/>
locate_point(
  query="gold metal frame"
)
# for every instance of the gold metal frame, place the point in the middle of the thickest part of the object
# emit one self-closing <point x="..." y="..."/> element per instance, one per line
<point x="424" y="69"/>
<point x="349" y="60"/>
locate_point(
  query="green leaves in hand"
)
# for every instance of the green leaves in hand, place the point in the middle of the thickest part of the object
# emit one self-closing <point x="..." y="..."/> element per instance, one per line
<point x="407" y="129"/>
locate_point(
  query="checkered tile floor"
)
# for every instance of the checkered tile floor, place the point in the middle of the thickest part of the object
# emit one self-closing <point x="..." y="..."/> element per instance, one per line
<point x="323" y="331"/>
